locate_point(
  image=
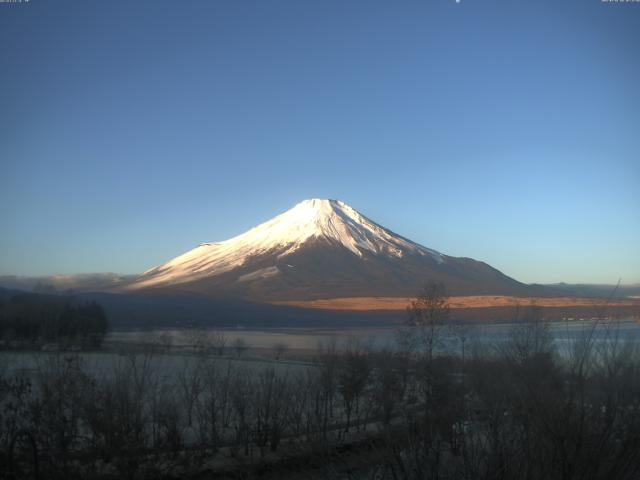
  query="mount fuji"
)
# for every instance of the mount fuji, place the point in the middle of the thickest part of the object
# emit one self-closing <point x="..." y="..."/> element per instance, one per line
<point x="319" y="249"/>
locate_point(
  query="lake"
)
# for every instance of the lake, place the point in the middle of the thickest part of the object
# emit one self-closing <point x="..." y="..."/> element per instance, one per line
<point x="302" y="343"/>
<point x="308" y="339"/>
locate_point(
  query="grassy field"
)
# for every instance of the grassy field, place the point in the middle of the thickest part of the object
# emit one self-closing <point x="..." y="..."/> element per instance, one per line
<point x="474" y="301"/>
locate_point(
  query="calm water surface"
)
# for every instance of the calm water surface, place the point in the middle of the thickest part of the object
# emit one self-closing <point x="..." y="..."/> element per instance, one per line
<point x="562" y="333"/>
<point x="261" y="343"/>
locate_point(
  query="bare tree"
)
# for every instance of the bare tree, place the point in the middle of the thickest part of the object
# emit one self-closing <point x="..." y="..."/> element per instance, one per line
<point x="160" y="342"/>
<point x="240" y="346"/>
<point x="300" y="400"/>
<point x="427" y="314"/>
<point x="327" y="383"/>
<point x="529" y="337"/>
<point x="462" y="332"/>
<point x="242" y="407"/>
<point x="190" y="384"/>
<point x="118" y="416"/>
<point x="214" y="409"/>
<point x="389" y="386"/>
<point x="57" y="408"/>
<point x="353" y="376"/>
<point x="270" y="413"/>
<point x="196" y="338"/>
<point x="209" y="406"/>
<point x="218" y="341"/>
<point x="280" y="348"/>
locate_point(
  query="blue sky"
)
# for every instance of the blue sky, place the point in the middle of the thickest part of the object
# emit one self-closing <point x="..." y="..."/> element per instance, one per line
<point x="506" y="131"/>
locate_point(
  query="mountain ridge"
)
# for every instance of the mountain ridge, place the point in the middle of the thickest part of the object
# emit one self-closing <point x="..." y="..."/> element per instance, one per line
<point x="320" y="248"/>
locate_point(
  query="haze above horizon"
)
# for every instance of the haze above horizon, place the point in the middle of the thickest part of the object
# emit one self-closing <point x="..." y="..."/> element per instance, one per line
<point x="502" y="131"/>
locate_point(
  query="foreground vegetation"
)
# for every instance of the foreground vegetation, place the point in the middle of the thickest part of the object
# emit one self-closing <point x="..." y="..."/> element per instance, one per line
<point x="522" y="408"/>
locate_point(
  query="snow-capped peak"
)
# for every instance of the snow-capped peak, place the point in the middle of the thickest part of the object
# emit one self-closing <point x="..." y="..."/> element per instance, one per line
<point x="333" y="220"/>
<point x="313" y="219"/>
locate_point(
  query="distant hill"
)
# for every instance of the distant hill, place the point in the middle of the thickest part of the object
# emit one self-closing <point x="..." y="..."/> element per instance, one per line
<point x="65" y="284"/>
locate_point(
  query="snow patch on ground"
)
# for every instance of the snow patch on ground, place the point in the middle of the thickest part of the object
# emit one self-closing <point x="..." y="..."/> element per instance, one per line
<point x="259" y="274"/>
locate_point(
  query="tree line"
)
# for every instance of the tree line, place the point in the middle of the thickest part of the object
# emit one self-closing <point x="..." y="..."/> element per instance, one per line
<point x="31" y="318"/>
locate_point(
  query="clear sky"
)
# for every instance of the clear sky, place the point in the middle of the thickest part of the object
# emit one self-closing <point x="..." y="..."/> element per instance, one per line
<point x="507" y="131"/>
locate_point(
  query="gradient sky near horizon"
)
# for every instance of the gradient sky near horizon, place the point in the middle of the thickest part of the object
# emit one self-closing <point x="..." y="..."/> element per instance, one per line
<point x="507" y="131"/>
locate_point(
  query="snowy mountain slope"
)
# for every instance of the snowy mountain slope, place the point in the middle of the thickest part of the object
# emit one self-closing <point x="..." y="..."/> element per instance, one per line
<point x="318" y="248"/>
